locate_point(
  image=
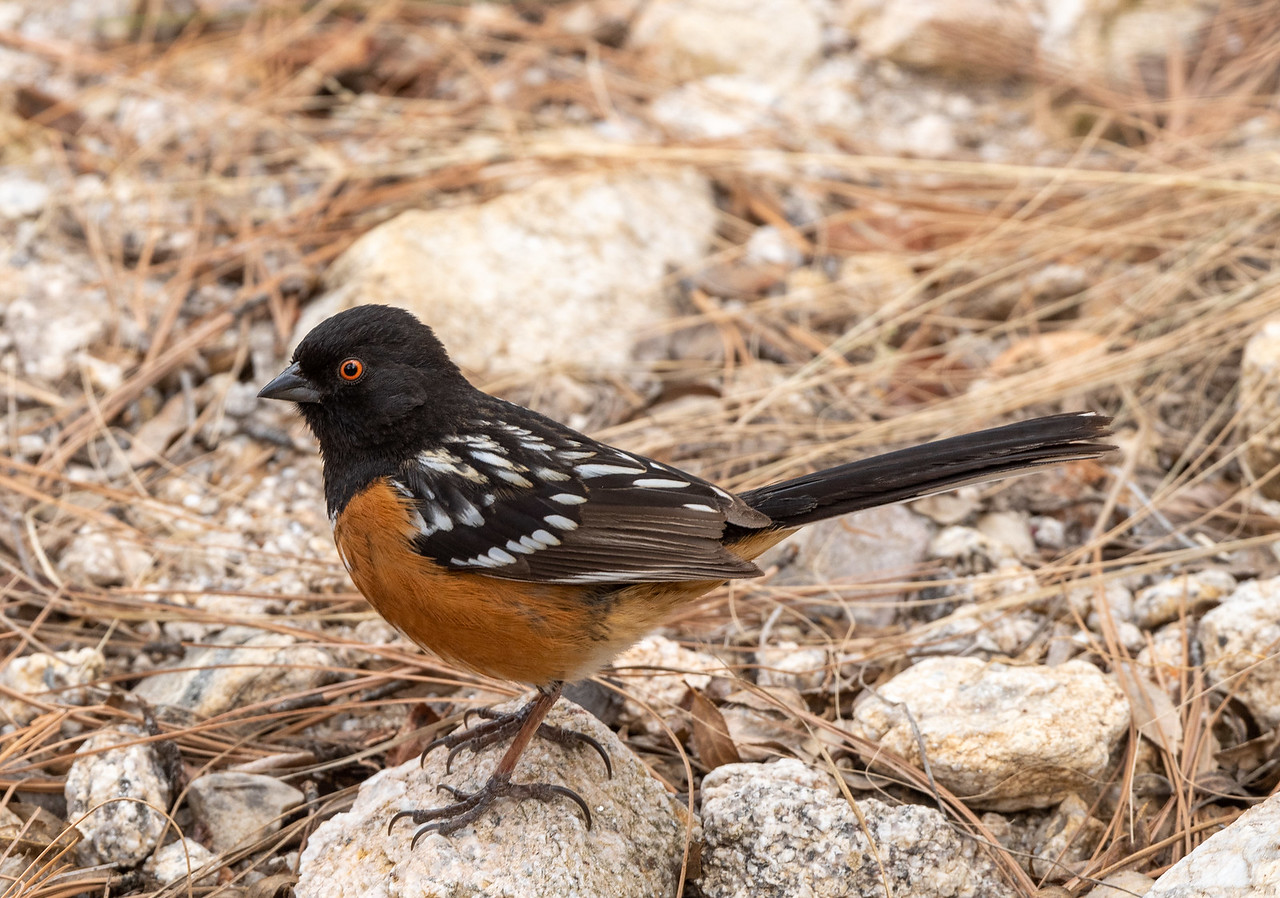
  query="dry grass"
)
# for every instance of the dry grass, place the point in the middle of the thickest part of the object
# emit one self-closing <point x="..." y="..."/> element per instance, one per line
<point x="273" y="139"/>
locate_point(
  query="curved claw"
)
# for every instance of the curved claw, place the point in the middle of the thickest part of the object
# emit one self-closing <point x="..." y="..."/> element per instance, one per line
<point x="453" y="753"/>
<point x="422" y="831"/>
<point x="566" y="792"/>
<point x="604" y="756"/>
<point x="454" y="791"/>
<point x="431" y="746"/>
<point x="396" y="816"/>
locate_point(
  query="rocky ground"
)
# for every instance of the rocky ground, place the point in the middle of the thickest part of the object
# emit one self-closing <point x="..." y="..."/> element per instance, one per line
<point x="748" y="238"/>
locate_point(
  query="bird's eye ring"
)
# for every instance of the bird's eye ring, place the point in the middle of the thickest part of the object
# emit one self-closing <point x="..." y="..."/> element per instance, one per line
<point x="351" y="369"/>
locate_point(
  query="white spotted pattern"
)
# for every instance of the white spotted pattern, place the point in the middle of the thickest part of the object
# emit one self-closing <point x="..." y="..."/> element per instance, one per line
<point x="603" y="470"/>
<point x="525" y="501"/>
<point x="568" y="499"/>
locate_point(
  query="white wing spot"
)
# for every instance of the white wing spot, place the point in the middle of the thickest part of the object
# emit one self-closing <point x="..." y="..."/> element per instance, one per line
<point x="661" y="483"/>
<point x="475" y="441"/>
<point x="698" y="506"/>
<point x="551" y="475"/>
<point x="468" y="514"/>
<point x="576" y="455"/>
<point x="568" y="499"/>
<point x="419" y="524"/>
<point x="541" y="539"/>
<point x="560" y="522"/>
<point x="443" y="461"/>
<point x="501" y="556"/>
<point x="600" y="470"/>
<point x="491" y="458"/>
<point x="441" y="520"/>
<point x="513" y="477"/>
<point x="521" y="547"/>
<point x="721" y="493"/>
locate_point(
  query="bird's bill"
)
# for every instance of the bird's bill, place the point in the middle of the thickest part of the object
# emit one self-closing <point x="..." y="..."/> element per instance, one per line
<point x="290" y="385"/>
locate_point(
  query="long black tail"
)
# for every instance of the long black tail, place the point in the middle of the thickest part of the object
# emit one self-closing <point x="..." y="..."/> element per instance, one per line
<point x="933" y="468"/>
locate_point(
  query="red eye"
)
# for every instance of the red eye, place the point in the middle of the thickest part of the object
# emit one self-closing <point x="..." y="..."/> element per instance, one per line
<point x="351" y="369"/>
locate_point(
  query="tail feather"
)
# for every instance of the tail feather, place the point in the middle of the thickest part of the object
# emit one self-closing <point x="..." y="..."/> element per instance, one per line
<point x="932" y="468"/>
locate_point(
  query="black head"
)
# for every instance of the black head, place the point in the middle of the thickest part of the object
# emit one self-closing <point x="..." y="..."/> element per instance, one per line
<point x="373" y="384"/>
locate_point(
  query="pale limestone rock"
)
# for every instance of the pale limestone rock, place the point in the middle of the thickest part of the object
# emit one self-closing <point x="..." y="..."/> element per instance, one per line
<point x="1125" y="884"/>
<point x="176" y="862"/>
<point x="530" y="849"/>
<point x="1189" y="593"/>
<point x="244" y="667"/>
<point x="782" y="829"/>
<point x="103" y="559"/>
<point x="1239" y="640"/>
<point x="565" y="273"/>
<point x="1001" y="737"/>
<point x="1259" y="398"/>
<point x="238" y="808"/>
<point x="57" y="678"/>
<point x="879" y="543"/>
<point x="950" y="35"/>
<point x="769" y="41"/>
<point x="1064" y="841"/>
<point x="1239" y="862"/>
<point x="656" y="673"/>
<point x="125" y="795"/>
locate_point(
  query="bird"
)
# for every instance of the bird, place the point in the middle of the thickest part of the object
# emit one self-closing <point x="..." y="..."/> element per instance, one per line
<point x="514" y="546"/>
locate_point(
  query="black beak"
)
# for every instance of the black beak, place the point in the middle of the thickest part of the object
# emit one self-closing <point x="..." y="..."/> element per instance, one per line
<point x="292" y="386"/>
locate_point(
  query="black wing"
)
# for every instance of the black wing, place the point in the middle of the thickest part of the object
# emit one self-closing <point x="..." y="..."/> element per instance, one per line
<point x="520" y="497"/>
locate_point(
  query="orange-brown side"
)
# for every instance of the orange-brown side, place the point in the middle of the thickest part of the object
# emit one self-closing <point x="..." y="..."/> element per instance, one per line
<point x="530" y="632"/>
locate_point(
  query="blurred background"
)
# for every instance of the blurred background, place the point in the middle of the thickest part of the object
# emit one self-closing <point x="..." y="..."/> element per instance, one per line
<point x="745" y="237"/>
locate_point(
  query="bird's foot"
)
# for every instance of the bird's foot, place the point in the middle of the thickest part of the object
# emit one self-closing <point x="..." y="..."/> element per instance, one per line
<point x="501" y="726"/>
<point x="470" y="805"/>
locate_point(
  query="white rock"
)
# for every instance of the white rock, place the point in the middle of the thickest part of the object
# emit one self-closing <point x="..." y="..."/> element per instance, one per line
<point x="1001" y="737"/>
<point x="923" y="33"/>
<point x="880" y="543"/>
<point x="117" y="798"/>
<point x="1240" y="860"/>
<point x="970" y="551"/>
<point x="238" y="808"/>
<point x="1125" y="884"/>
<point x="103" y="559"/>
<point x="1259" y="396"/>
<point x="21" y="197"/>
<point x="247" y="666"/>
<point x="657" y="673"/>
<point x="565" y="273"/>
<point x="760" y="718"/>
<point x="1064" y="840"/>
<point x="787" y="665"/>
<point x="176" y="862"/>
<point x="56" y="678"/>
<point x="782" y="829"/>
<point x="769" y="245"/>
<point x="1121" y="42"/>
<point x="1165" y="658"/>
<point x="1239" y="640"/>
<point x="771" y="41"/>
<point x="51" y="314"/>
<point x="530" y="848"/>
<point x="1011" y="529"/>
<point x="1189" y="593"/>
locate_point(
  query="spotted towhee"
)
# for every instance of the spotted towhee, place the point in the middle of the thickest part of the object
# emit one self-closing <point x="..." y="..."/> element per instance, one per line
<point x="517" y="547"/>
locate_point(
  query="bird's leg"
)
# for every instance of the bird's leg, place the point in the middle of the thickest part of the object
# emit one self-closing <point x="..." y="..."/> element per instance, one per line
<point x="526" y="723"/>
<point x="498" y="727"/>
